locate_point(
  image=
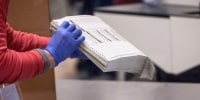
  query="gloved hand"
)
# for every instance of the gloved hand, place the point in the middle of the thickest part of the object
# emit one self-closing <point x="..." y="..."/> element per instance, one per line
<point x="64" y="42"/>
<point x="78" y="54"/>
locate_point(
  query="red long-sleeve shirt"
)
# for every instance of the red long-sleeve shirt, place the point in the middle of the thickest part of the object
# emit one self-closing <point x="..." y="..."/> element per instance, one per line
<point x="18" y="59"/>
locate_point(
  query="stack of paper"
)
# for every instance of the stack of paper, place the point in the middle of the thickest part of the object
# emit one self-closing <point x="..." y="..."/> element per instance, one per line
<point x="105" y="47"/>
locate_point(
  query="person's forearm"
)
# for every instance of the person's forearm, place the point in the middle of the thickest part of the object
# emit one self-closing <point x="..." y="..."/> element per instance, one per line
<point x="23" y="41"/>
<point x="51" y="59"/>
<point x="48" y="59"/>
<point x="16" y="66"/>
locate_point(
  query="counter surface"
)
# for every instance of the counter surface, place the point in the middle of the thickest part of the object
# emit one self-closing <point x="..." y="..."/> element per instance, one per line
<point x="160" y="11"/>
<point x="118" y="90"/>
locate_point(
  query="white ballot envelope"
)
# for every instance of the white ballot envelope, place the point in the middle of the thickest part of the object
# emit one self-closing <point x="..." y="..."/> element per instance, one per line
<point x="105" y="47"/>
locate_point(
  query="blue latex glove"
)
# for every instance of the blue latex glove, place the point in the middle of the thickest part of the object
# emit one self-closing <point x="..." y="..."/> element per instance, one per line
<point x="64" y="42"/>
<point x="78" y="54"/>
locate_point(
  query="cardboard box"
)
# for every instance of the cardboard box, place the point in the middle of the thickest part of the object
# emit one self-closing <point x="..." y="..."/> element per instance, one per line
<point x="33" y="16"/>
<point x="30" y="16"/>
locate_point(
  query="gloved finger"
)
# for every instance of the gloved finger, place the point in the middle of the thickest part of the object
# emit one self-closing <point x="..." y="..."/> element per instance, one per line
<point x="81" y="55"/>
<point x="65" y="24"/>
<point x="80" y="39"/>
<point x="78" y="54"/>
<point x="77" y="33"/>
<point x="71" y="27"/>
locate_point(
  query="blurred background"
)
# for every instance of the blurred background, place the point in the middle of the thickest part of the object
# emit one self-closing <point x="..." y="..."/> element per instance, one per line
<point x="167" y="31"/>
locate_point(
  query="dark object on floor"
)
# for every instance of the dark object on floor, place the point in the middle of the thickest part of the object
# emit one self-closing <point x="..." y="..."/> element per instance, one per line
<point x="189" y="76"/>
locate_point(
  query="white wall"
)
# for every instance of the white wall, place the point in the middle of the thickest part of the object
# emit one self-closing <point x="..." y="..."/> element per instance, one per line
<point x="183" y="2"/>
